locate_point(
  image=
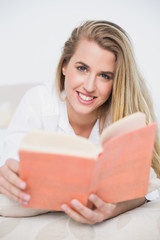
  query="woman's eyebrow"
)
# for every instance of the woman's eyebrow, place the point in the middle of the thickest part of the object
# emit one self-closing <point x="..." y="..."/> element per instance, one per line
<point x="84" y="64"/>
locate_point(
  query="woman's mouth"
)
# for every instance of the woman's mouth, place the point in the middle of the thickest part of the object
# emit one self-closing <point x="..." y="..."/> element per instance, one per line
<point x="84" y="98"/>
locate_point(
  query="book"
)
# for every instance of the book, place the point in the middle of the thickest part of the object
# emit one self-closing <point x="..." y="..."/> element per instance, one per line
<point x="59" y="167"/>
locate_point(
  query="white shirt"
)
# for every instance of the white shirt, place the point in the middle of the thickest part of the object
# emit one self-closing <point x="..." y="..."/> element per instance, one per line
<point x="41" y="108"/>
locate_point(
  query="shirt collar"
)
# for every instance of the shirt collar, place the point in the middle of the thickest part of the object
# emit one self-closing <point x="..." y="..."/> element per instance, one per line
<point x="94" y="136"/>
<point x="63" y="119"/>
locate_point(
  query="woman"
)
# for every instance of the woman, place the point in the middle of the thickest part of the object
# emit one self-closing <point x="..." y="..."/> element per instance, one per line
<point x="98" y="83"/>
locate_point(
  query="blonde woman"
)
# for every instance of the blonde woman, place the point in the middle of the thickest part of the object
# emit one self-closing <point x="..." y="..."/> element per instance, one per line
<point x="98" y="83"/>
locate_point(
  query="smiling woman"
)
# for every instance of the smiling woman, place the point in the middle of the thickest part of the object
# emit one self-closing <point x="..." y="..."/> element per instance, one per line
<point x="98" y="83"/>
<point x="88" y="82"/>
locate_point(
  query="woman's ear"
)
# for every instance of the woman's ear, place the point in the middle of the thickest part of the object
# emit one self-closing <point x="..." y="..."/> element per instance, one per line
<point x="64" y="69"/>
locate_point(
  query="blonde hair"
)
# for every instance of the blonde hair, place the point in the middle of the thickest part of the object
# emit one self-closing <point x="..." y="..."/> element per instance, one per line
<point x="129" y="93"/>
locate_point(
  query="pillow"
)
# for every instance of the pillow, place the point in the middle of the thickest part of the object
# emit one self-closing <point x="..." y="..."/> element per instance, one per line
<point x="10" y="96"/>
<point x="2" y="135"/>
<point x="11" y="208"/>
<point x="5" y="113"/>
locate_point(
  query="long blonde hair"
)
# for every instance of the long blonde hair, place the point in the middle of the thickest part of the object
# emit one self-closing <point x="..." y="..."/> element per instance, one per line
<point x="129" y="93"/>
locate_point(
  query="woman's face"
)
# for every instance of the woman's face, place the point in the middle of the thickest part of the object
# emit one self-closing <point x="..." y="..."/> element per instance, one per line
<point x="88" y="78"/>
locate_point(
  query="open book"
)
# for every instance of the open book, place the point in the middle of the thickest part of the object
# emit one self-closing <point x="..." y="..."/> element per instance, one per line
<point x="58" y="167"/>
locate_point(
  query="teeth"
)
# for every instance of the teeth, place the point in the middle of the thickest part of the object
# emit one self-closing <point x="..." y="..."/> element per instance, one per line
<point x="86" y="98"/>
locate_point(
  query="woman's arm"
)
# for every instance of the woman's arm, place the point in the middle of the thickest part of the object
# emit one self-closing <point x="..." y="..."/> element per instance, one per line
<point x="128" y="205"/>
<point x="102" y="211"/>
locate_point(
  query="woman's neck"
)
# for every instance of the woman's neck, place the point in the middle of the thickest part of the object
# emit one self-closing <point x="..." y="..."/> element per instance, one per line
<point x="81" y="124"/>
<point x="83" y="130"/>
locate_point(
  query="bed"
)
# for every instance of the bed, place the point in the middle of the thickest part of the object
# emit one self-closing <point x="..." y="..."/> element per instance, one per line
<point x="142" y="223"/>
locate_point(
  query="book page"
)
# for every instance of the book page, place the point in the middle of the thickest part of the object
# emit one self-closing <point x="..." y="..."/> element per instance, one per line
<point x="124" y="125"/>
<point x="51" y="142"/>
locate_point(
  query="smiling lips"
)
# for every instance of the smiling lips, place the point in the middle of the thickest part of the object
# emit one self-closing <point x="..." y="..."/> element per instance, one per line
<point x="84" y="98"/>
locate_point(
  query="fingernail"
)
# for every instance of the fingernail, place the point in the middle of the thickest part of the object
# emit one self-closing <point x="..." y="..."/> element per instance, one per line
<point x="22" y="185"/>
<point x="64" y="207"/>
<point x="26" y="197"/>
<point x="75" y="203"/>
<point x="92" y="197"/>
<point x="25" y="202"/>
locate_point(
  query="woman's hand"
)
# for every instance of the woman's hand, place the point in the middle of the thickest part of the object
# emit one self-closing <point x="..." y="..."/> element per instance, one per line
<point x="10" y="183"/>
<point x="102" y="210"/>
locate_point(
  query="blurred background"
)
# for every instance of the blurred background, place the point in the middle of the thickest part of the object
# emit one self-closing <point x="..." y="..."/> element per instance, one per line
<point x="32" y="34"/>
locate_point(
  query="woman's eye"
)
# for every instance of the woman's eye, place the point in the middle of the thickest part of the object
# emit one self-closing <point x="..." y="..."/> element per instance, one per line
<point x="105" y="76"/>
<point x="81" y="68"/>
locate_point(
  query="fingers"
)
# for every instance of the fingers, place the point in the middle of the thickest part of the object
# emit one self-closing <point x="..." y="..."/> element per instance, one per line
<point x="89" y="214"/>
<point x="13" y="165"/>
<point x="11" y="191"/>
<point x="98" y="202"/>
<point x="8" y="171"/>
<point x="12" y="196"/>
<point x="10" y="184"/>
<point x="82" y="213"/>
<point x="107" y="209"/>
<point x="8" y="194"/>
<point x="74" y="215"/>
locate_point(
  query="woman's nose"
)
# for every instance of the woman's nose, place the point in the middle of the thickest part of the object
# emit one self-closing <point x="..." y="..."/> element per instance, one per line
<point x="90" y="83"/>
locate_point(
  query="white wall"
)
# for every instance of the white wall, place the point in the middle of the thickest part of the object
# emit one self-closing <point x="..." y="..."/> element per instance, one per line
<point x="32" y="33"/>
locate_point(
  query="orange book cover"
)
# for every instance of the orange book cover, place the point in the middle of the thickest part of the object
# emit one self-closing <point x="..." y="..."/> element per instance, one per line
<point x="58" y="168"/>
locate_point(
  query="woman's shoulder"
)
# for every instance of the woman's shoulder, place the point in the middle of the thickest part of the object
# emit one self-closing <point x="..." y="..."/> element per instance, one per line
<point x="42" y="98"/>
<point x="43" y="92"/>
<point x="42" y="89"/>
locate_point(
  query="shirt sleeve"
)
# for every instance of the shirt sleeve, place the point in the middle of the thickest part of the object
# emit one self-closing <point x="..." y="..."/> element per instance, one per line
<point x="153" y="187"/>
<point x="26" y="117"/>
